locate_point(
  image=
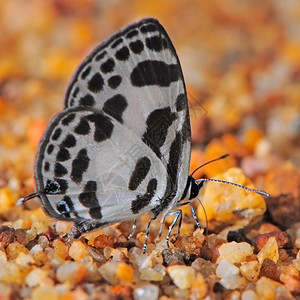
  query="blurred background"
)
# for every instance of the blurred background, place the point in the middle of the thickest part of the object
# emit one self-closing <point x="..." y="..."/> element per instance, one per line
<point x="241" y="61"/>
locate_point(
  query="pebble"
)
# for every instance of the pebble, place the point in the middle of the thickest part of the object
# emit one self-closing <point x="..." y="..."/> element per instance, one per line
<point x="117" y="272"/>
<point x="266" y="288"/>
<point x="150" y="275"/>
<point x="229" y="275"/>
<point x="45" y="292"/>
<point x="182" y="276"/>
<point x="71" y="272"/>
<point x="235" y="252"/>
<point x="249" y="295"/>
<point x="60" y="249"/>
<point x="146" y="292"/>
<point x="270" y="250"/>
<point x="250" y="270"/>
<point x="35" y="277"/>
<point x="78" y="250"/>
<point x="199" y="288"/>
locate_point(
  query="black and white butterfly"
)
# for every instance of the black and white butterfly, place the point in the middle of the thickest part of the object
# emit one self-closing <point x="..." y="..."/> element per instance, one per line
<point x="121" y="147"/>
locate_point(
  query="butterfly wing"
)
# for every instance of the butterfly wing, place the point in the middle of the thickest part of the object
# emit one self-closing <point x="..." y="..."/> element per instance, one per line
<point x="136" y="78"/>
<point x="87" y="170"/>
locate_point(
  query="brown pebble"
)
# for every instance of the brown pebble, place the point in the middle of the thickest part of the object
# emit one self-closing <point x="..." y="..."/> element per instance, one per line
<point x="21" y="236"/>
<point x="282" y="239"/>
<point x="284" y="210"/>
<point x="104" y="240"/>
<point x="269" y="269"/>
<point x="175" y="257"/>
<point x="7" y="235"/>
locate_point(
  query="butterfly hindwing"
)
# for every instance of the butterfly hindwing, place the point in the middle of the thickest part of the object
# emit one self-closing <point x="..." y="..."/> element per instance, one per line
<point x="86" y="172"/>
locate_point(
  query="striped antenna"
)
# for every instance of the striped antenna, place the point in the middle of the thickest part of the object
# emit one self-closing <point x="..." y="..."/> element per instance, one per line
<point x="260" y="192"/>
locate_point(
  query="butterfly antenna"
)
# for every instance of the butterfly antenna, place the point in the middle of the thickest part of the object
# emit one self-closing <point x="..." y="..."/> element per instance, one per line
<point x="27" y="198"/>
<point x="260" y="192"/>
<point x="213" y="160"/>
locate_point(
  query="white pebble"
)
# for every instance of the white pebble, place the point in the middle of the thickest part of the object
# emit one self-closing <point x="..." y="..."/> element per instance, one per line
<point x="146" y="292"/>
<point x="229" y="275"/>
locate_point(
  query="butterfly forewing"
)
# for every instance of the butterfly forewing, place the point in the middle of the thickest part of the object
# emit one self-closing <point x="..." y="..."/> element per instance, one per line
<point x="121" y="147"/>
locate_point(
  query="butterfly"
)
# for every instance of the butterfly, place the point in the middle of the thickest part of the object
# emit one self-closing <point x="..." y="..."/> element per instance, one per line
<point x="121" y="146"/>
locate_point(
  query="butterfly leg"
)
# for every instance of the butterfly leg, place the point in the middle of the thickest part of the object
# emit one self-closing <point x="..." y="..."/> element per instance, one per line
<point x="162" y="222"/>
<point x="178" y="214"/>
<point x="147" y="233"/>
<point x="193" y="212"/>
<point x="133" y="228"/>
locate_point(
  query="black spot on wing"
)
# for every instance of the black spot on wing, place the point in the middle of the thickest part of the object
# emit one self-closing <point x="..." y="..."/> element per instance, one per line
<point x="76" y="91"/>
<point x="46" y="166"/>
<point x="148" y="28"/>
<point x="63" y="185"/>
<point x="59" y="170"/>
<point x="181" y="102"/>
<point x="50" y="148"/>
<point x="136" y="47"/>
<point x="79" y="165"/>
<point x="89" y="199"/>
<point x="155" y="43"/>
<point x="108" y="66"/>
<point x="186" y="128"/>
<point x="114" y="81"/>
<point x="139" y="173"/>
<point x="132" y="33"/>
<point x="63" y="154"/>
<point x="100" y="56"/>
<point x="117" y="42"/>
<point x="52" y="187"/>
<point x="96" y="83"/>
<point x="83" y="127"/>
<point x="66" y="207"/>
<point x="153" y="72"/>
<point x="115" y="106"/>
<point x="56" y="134"/>
<point x="69" y="141"/>
<point x="103" y="126"/>
<point x="142" y="201"/>
<point x="122" y="54"/>
<point x="87" y="100"/>
<point x="86" y="72"/>
<point x="68" y="119"/>
<point x="158" y="123"/>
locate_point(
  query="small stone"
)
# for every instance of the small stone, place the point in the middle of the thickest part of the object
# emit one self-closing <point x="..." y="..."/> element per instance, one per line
<point x="24" y="260"/>
<point x="71" y="272"/>
<point x="250" y="270"/>
<point x="292" y="283"/>
<point x="229" y="275"/>
<point x="60" y="249"/>
<point x="14" y="249"/>
<point x="270" y="250"/>
<point x="182" y="276"/>
<point x="43" y="241"/>
<point x="104" y="240"/>
<point x="117" y="272"/>
<point x="62" y="227"/>
<point x="199" y="288"/>
<point x="234" y="252"/>
<point x="249" y="295"/>
<point x="269" y="269"/>
<point x="149" y="274"/>
<point x="35" y="277"/>
<point x="45" y="292"/>
<point x="78" y="250"/>
<point x="265" y="288"/>
<point x="146" y="292"/>
<point x="282" y="239"/>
